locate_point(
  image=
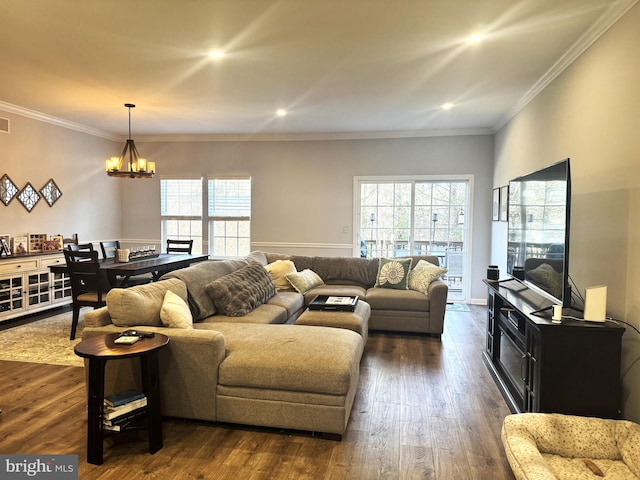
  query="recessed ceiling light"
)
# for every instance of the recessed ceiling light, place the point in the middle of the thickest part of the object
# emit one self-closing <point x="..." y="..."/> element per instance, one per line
<point x="447" y="106"/>
<point x="476" y="38"/>
<point x="216" y="54"/>
<point x="281" y="112"/>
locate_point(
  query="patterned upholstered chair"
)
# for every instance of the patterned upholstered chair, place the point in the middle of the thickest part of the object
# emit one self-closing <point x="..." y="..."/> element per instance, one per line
<point x="549" y="446"/>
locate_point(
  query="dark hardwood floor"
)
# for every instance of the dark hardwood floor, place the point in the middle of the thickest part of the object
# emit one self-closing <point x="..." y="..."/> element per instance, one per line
<point x="426" y="408"/>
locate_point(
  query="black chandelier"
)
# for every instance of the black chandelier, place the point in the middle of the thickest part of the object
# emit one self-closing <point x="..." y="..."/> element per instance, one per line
<point x="129" y="163"/>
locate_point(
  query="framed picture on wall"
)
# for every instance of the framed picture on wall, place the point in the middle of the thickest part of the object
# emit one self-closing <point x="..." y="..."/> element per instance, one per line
<point x="495" y="205"/>
<point x="504" y="203"/>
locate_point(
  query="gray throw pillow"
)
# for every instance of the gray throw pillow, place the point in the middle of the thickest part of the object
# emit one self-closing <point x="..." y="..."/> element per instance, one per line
<point x="197" y="276"/>
<point x="239" y="292"/>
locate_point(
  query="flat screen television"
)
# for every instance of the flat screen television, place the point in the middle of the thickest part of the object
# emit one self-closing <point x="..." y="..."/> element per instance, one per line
<point x="538" y="231"/>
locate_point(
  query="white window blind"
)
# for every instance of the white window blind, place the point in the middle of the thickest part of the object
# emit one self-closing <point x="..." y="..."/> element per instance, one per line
<point x="230" y="198"/>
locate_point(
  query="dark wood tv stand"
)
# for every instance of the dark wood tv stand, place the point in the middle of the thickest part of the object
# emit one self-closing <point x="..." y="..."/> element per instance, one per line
<point x="539" y="366"/>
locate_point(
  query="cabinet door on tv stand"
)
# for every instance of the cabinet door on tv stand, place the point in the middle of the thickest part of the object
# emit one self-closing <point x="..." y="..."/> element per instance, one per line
<point x="578" y="371"/>
<point x="496" y="305"/>
<point x="491" y="323"/>
<point x="532" y="368"/>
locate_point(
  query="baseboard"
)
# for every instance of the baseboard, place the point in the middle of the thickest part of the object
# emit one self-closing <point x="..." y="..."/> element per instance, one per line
<point x="478" y="301"/>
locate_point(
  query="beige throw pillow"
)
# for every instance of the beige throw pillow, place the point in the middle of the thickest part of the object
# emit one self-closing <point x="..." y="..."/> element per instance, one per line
<point x="304" y="281"/>
<point x="278" y="271"/>
<point x="423" y="274"/>
<point x="175" y="312"/>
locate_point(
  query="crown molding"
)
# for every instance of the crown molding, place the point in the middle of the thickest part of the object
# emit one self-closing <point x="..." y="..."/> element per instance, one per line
<point x="292" y="137"/>
<point x="609" y="18"/>
<point x="243" y="137"/>
<point x="60" y="122"/>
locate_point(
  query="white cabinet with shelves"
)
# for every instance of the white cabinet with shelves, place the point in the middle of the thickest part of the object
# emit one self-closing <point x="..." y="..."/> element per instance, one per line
<point x="27" y="285"/>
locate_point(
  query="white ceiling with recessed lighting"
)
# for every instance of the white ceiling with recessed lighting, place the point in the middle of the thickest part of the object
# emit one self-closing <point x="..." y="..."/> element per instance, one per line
<point x="334" y="66"/>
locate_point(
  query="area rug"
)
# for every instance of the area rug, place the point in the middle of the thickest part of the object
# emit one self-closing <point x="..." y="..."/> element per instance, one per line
<point x="42" y="341"/>
<point x="457" y="307"/>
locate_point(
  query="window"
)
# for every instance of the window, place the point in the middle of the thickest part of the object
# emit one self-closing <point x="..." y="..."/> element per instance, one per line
<point x="181" y="211"/>
<point x="229" y="216"/>
<point x="415" y="216"/>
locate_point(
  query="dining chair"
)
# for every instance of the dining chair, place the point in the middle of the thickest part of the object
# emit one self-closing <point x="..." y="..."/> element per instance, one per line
<point x="109" y="251"/>
<point x="86" y="287"/>
<point x="179" y="246"/>
<point x="109" y="248"/>
<point x="80" y="247"/>
<point x="72" y="240"/>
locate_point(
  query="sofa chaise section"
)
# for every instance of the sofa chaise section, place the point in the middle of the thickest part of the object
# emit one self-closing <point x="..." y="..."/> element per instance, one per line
<point x="288" y="376"/>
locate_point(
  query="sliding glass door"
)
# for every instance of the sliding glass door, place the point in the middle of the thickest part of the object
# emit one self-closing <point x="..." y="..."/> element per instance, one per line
<point x="416" y="216"/>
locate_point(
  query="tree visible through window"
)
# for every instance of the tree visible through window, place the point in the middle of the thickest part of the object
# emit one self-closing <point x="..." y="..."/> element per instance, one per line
<point x="399" y="217"/>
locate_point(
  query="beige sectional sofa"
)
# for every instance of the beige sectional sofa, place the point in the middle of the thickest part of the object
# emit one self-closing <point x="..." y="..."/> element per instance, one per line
<point x="258" y="367"/>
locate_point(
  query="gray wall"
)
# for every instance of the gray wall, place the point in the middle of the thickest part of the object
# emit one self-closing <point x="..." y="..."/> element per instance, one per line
<point x="303" y="190"/>
<point x="590" y="113"/>
<point x="35" y="151"/>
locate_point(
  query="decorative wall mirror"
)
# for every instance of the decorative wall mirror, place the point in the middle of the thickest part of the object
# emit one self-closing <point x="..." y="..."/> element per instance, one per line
<point x="8" y="189"/>
<point x="28" y="197"/>
<point x="50" y="192"/>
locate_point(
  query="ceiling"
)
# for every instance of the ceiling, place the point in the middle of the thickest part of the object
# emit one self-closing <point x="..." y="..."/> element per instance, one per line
<point x="342" y="67"/>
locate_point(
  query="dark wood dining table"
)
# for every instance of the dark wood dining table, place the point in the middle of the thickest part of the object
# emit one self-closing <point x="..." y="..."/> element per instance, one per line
<point x="157" y="266"/>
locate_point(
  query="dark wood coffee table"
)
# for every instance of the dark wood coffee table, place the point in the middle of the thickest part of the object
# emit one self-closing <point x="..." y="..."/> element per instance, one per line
<point x="98" y="350"/>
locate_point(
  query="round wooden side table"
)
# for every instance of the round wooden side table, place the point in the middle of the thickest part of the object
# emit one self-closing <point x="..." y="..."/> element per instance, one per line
<point x="98" y="350"/>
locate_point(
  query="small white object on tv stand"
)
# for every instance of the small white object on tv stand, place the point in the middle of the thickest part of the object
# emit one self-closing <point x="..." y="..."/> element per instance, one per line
<point x="595" y="303"/>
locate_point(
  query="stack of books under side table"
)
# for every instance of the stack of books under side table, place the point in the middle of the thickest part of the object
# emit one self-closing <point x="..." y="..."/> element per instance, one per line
<point x="122" y="409"/>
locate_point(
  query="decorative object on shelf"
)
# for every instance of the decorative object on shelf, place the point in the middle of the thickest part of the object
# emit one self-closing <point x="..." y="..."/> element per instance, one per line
<point x="495" y="205"/>
<point x="122" y="255"/>
<point x="504" y="203"/>
<point x="20" y="245"/>
<point x="51" y="245"/>
<point x="50" y="192"/>
<point x="4" y="245"/>
<point x="28" y="197"/>
<point x="8" y="189"/>
<point x="36" y="241"/>
<point x="493" y="272"/>
<point x="147" y="251"/>
<point x="129" y="164"/>
<point x="58" y="241"/>
<point x="518" y="272"/>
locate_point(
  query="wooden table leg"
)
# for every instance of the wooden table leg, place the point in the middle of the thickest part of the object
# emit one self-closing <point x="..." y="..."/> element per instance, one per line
<point x="151" y="386"/>
<point x="95" y="400"/>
